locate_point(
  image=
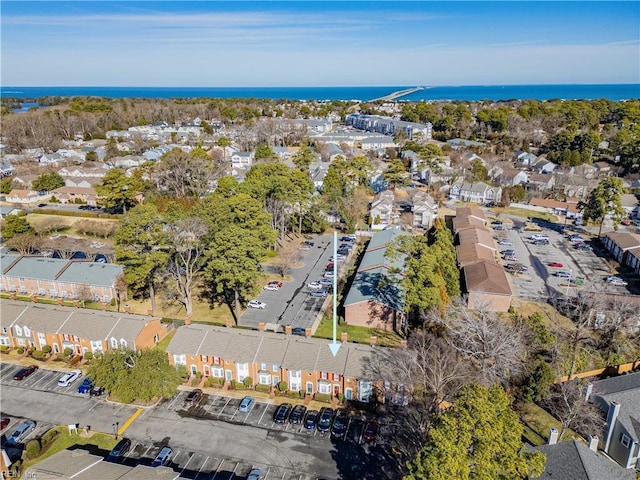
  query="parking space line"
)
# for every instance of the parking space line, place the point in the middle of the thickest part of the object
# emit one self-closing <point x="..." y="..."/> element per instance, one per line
<point x="130" y="420"/>
<point x="131" y="450"/>
<point x="173" y="401"/>
<point x="201" y="468"/>
<point x="146" y="451"/>
<point x="225" y="406"/>
<point x="185" y="466"/>
<point x="118" y="410"/>
<point x="346" y="432"/>
<point x="217" y="469"/>
<point x="175" y="457"/>
<point x="261" y="416"/>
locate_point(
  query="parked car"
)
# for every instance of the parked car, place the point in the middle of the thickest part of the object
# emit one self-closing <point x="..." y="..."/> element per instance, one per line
<point x="324" y="419"/>
<point x="119" y="452"/>
<point x="515" y="268"/>
<point x="311" y="419"/>
<point x="541" y="242"/>
<point x="582" y="246"/>
<point x="22" y="432"/>
<point x="328" y="274"/>
<point x="346" y="246"/>
<point x="576" y="238"/>
<point x="256" y="304"/>
<point x="340" y="423"/>
<point x="96" y="391"/>
<point x="329" y="266"/>
<point x="562" y="274"/>
<point x="255" y="474"/>
<point x="4" y="422"/>
<point x="85" y="386"/>
<point x="319" y="294"/>
<point x="282" y="413"/>
<point x="326" y="282"/>
<point x="276" y="283"/>
<point x="314" y="285"/>
<point x="297" y="414"/>
<point x="25" y="372"/>
<point x="193" y="398"/>
<point x="539" y="236"/>
<point x="163" y="458"/>
<point x="617" y="281"/>
<point x="272" y="287"/>
<point x="555" y="264"/>
<point x="69" y="378"/>
<point x="348" y="238"/>
<point x="370" y="431"/>
<point x="299" y="331"/>
<point x="508" y="252"/>
<point x="247" y="403"/>
<point x="506" y="242"/>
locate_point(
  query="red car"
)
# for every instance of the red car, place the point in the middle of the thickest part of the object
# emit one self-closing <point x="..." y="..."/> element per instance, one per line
<point x="276" y="283"/>
<point x="4" y="422"/>
<point x="370" y="431"/>
<point x="329" y="266"/>
<point x="25" y="372"/>
<point x="556" y="264"/>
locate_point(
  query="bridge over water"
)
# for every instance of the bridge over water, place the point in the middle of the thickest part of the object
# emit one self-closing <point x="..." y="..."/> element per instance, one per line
<point x="398" y="94"/>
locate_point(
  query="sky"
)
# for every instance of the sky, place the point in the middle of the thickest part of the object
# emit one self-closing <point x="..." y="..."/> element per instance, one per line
<point x="221" y="43"/>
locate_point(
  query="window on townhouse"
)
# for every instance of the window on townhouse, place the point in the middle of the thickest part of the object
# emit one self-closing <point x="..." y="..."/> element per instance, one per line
<point x="242" y="371"/>
<point x="324" y="387"/>
<point x="203" y="358"/>
<point x="4" y="340"/>
<point x="336" y="377"/>
<point x="216" y="360"/>
<point x="21" y="342"/>
<point x="65" y="337"/>
<point x="180" y="359"/>
<point x="123" y="343"/>
<point x="41" y="291"/>
<point x="295" y="382"/>
<point x="348" y="393"/>
<point x="75" y="338"/>
<point x="114" y="342"/>
<point x="156" y="338"/>
<point x="275" y="367"/>
<point x="324" y="376"/>
<point x="18" y="330"/>
<point x="27" y="332"/>
<point x="264" y="379"/>
<point x="217" y="372"/>
<point x="625" y="440"/>
<point x="263" y="366"/>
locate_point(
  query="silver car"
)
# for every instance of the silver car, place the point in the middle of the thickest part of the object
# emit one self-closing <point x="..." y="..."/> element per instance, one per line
<point x="22" y="432"/>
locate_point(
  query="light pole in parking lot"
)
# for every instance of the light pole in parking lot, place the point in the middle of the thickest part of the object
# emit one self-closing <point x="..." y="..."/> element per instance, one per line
<point x="115" y="429"/>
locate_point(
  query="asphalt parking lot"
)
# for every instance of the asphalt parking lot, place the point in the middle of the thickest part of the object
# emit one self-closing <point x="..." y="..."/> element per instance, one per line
<point x="541" y="280"/>
<point x="292" y="304"/>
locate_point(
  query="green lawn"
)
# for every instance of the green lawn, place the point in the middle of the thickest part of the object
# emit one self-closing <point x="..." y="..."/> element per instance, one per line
<point x="356" y="334"/>
<point x="95" y="442"/>
<point x="522" y="212"/>
<point x="164" y="343"/>
<point x="540" y="423"/>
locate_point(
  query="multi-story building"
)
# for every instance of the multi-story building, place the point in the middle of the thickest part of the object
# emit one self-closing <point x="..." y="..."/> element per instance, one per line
<point x="388" y="126"/>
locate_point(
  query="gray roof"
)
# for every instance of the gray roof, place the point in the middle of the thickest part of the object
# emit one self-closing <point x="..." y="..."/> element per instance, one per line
<point x="6" y="259"/>
<point x="381" y="239"/>
<point x="377" y="257"/>
<point x="84" y="323"/>
<point x="624" y="390"/>
<point x="376" y="285"/>
<point x="573" y="460"/>
<point x="289" y="351"/>
<point x="37" y="267"/>
<point x="91" y="273"/>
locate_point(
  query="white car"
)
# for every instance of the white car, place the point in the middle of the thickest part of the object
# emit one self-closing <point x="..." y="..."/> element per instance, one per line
<point x="256" y="304"/>
<point x="271" y="286"/>
<point x="613" y="280"/>
<point x="314" y="285"/>
<point x="506" y="242"/>
<point x="328" y="274"/>
<point x="70" y="377"/>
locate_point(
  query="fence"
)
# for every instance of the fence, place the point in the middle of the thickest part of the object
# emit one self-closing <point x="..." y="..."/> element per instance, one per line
<point x="607" y="371"/>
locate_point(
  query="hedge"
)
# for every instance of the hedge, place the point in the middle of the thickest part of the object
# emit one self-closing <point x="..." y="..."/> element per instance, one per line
<point x="263" y="388"/>
<point x="32" y="448"/>
<point x="47" y="349"/>
<point x="248" y="381"/>
<point x="37" y="354"/>
<point x="88" y="356"/>
<point x="5" y="349"/>
<point x="323" y="397"/>
<point x="238" y="385"/>
<point x="20" y="350"/>
<point x="283" y="386"/>
<point x="67" y="352"/>
<point x="49" y="436"/>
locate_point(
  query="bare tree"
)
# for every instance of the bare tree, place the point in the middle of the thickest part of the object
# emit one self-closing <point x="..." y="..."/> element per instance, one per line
<point x="48" y="225"/>
<point x="84" y="294"/>
<point x="120" y="286"/>
<point x="188" y="257"/>
<point x="288" y="256"/>
<point x="24" y="243"/>
<point x="183" y="174"/>
<point x="495" y="348"/>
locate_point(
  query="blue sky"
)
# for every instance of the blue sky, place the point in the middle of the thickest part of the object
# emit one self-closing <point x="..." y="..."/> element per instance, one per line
<point x="301" y="43"/>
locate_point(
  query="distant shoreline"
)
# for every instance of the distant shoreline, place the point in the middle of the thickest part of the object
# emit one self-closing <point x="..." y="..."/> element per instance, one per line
<point x="613" y="92"/>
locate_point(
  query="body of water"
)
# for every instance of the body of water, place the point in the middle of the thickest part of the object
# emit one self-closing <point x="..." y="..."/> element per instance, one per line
<point x="471" y="93"/>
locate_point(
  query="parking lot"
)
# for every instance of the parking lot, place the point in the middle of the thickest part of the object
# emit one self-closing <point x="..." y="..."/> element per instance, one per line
<point x="42" y="379"/>
<point x="583" y="268"/>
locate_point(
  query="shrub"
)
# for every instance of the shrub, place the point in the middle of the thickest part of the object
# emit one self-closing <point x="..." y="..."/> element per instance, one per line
<point x="75" y="359"/>
<point x="32" y="448"/>
<point x="341" y="397"/>
<point x="4" y="349"/>
<point x="195" y="381"/>
<point x="263" y="388"/>
<point x="37" y="354"/>
<point x="217" y="381"/>
<point x="322" y="397"/>
<point x="283" y="386"/>
<point x="48" y="437"/>
<point x="88" y="356"/>
<point x="67" y="352"/>
<point x="46" y="349"/>
<point x="293" y="394"/>
<point x="248" y="381"/>
<point x="237" y="385"/>
<point x="20" y="350"/>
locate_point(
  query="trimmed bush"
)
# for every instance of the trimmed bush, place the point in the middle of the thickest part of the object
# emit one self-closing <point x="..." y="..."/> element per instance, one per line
<point x="322" y="397"/>
<point x="46" y="349"/>
<point x="341" y="397"/>
<point x="32" y="448"/>
<point x="67" y="352"/>
<point x="263" y="388"/>
<point x="217" y="381"/>
<point x="88" y="356"/>
<point x="248" y="381"/>
<point x="292" y="394"/>
<point x="20" y="350"/>
<point x="238" y="385"/>
<point x="37" y="354"/>
<point x="4" y="349"/>
<point x="283" y="386"/>
<point x="48" y="437"/>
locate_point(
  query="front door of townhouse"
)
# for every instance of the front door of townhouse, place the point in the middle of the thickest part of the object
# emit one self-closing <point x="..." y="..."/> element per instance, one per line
<point x="336" y="390"/>
<point x="206" y="371"/>
<point x="309" y="388"/>
<point x="228" y="375"/>
<point x="194" y="369"/>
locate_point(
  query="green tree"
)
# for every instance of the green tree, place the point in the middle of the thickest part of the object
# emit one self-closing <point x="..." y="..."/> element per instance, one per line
<point x="303" y="158"/>
<point x="224" y="142"/>
<point x="264" y="152"/>
<point x="605" y="199"/>
<point x="478" y="171"/>
<point x="15" y="225"/>
<point x="478" y="438"/>
<point x="130" y="375"/>
<point x="47" y="182"/>
<point x="441" y="242"/>
<point x="396" y="174"/>
<point x="6" y="185"/>
<point x="539" y="381"/>
<point x="117" y="191"/>
<point x="142" y="249"/>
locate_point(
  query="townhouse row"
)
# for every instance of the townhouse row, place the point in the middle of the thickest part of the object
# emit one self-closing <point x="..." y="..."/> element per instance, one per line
<point x="58" y="278"/>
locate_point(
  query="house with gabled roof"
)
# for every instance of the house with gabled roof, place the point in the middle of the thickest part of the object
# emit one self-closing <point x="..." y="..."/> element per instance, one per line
<point x="26" y="324"/>
<point x="618" y="397"/>
<point x="424" y="209"/>
<point x="27" y="196"/>
<point x="477" y="192"/>
<point x="381" y="210"/>
<point x="619" y="243"/>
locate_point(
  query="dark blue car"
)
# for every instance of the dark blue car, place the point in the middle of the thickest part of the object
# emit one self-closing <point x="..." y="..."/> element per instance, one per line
<point x="85" y="386"/>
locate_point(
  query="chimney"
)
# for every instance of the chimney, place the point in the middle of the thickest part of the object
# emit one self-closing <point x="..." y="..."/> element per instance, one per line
<point x="308" y="332"/>
<point x="553" y="436"/>
<point x="593" y="442"/>
<point x="127" y="308"/>
<point x="343" y="337"/>
<point x="261" y="326"/>
<point x="373" y="340"/>
<point x="612" y="416"/>
<point x="588" y="391"/>
<point x="288" y="329"/>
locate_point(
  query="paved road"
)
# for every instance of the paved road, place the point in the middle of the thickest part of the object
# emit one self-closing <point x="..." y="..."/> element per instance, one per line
<point x="211" y="440"/>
